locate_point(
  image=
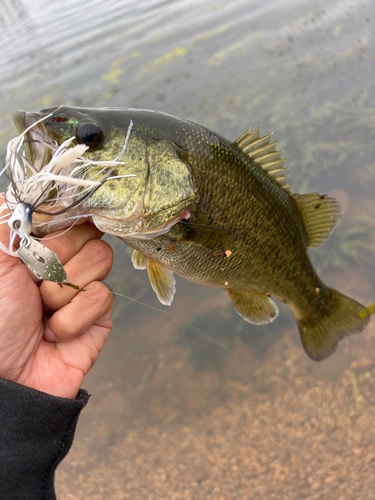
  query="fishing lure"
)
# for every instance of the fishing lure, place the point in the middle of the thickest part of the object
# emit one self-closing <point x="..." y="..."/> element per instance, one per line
<point x="58" y="186"/>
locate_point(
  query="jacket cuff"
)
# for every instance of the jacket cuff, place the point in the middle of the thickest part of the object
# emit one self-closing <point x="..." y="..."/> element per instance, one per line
<point x="36" y="433"/>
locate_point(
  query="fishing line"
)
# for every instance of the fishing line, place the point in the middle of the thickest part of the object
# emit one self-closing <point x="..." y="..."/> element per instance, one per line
<point x="366" y="312"/>
<point x="204" y="335"/>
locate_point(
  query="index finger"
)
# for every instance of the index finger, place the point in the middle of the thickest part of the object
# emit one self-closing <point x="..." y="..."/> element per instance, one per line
<point x="69" y="243"/>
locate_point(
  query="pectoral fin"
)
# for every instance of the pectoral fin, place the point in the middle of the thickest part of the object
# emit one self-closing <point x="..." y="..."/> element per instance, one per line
<point x="139" y="260"/>
<point x="209" y="236"/>
<point x="162" y="281"/>
<point x="255" y="308"/>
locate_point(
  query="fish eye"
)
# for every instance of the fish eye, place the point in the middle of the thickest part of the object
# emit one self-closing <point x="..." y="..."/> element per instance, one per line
<point x="17" y="224"/>
<point x="89" y="133"/>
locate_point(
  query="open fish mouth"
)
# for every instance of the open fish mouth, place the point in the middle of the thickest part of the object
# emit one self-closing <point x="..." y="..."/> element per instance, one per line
<point x="38" y="145"/>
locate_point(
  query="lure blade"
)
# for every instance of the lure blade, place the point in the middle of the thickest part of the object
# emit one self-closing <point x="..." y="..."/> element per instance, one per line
<point x="42" y="261"/>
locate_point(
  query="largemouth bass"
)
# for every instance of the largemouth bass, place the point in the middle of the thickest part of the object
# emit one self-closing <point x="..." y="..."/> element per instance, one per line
<point x="213" y="211"/>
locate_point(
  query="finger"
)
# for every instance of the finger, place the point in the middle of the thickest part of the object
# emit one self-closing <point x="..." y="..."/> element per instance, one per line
<point x="4" y="228"/>
<point x="92" y="263"/>
<point x="68" y="244"/>
<point x="8" y="262"/>
<point x="84" y="311"/>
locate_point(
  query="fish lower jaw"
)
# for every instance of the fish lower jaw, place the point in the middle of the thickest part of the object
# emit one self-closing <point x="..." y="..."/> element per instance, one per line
<point x="45" y="224"/>
<point x="135" y="228"/>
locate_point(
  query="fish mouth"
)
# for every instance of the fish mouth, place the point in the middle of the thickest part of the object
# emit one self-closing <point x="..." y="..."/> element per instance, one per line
<point x="38" y="146"/>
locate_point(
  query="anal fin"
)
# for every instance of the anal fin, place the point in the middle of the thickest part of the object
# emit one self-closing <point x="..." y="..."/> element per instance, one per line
<point x="162" y="281"/>
<point x="255" y="308"/>
<point x="139" y="260"/>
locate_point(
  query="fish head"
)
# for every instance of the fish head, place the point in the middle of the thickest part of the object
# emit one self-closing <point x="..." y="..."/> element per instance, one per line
<point x="144" y="187"/>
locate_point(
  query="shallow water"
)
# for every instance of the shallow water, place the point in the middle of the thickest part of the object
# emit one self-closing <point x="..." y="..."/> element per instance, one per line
<point x="173" y="415"/>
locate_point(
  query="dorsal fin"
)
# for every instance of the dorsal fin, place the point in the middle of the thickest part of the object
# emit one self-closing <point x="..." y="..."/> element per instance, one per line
<point x="264" y="153"/>
<point x="321" y="215"/>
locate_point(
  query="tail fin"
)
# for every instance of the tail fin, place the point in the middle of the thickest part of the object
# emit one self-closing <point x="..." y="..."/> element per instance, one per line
<point x="320" y="336"/>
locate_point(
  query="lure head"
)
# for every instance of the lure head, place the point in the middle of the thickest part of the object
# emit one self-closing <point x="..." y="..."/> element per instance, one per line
<point x="20" y="221"/>
<point x="120" y="143"/>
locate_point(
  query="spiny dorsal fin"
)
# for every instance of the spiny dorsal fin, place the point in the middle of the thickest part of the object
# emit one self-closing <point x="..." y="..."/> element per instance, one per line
<point x="321" y="215"/>
<point x="264" y="153"/>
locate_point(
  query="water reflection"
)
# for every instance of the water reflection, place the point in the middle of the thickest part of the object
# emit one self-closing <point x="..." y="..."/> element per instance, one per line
<point x="172" y="415"/>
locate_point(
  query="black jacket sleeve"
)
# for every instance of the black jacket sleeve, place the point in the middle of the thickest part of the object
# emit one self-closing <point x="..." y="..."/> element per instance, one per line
<point x="36" y="432"/>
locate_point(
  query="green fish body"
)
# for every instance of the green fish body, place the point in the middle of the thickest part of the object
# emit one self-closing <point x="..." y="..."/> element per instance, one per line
<point x="212" y="211"/>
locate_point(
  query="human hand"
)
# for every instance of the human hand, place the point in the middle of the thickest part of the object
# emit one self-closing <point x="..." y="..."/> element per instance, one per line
<point x="50" y="336"/>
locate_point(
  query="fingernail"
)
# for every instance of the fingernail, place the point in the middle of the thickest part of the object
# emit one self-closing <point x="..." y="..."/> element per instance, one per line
<point x="48" y="335"/>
